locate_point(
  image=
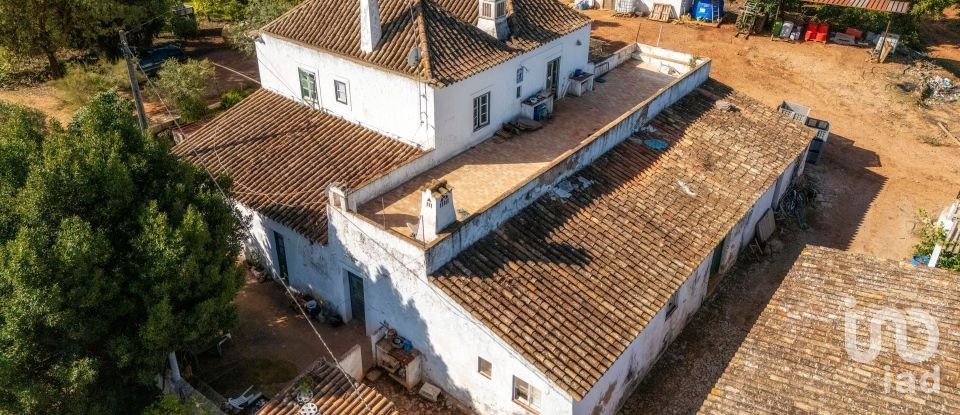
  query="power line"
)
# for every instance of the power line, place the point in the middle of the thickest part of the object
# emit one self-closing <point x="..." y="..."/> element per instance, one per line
<point x="286" y="287"/>
<point x="443" y="296"/>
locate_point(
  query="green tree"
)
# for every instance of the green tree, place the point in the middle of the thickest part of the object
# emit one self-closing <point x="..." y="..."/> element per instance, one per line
<point x="45" y="27"/>
<point x="183" y="85"/>
<point x="170" y="405"/>
<point x="258" y="13"/>
<point x="113" y="252"/>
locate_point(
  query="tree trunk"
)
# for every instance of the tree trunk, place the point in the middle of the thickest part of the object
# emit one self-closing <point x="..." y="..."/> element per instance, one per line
<point x="55" y="70"/>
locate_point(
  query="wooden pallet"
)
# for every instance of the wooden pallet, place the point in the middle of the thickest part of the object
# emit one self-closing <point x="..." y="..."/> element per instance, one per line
<point x="661" y="12"/>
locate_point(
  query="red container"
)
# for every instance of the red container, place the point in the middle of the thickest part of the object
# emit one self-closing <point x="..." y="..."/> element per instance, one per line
<point x="857" y="34"/>
<point x="824" y="28"/>
<point x="812" y="27"/>
<point x="822" y="37"/>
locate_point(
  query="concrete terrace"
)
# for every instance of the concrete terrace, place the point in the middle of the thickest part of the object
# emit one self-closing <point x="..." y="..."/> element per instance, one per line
<point x="488" y="171"/>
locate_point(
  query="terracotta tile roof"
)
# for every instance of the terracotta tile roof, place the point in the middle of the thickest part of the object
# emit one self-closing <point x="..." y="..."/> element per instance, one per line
<point x="794" y="359"/>
<point x="333" y="395"/>
<point x="452" y="47"/>
<point x="570" y="282"/>
<point x="890" y="6"/>
<point x="282" y="155"/>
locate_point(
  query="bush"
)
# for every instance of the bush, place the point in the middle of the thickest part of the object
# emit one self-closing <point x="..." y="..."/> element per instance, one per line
<point x="184" y="27"/>
<point x="170" y="405"/>
<point x="220" y="10"/>
<point x="183" y="85"/>
<point x="233" y="97"/>
<point x="81" y="82"/>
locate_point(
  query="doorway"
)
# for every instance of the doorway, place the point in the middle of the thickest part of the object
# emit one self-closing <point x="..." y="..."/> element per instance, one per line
<point x="713" y="282"/>
<point x="281" y="251"/>
<point x="553" y="75"/>
<point x="356" y="296"/>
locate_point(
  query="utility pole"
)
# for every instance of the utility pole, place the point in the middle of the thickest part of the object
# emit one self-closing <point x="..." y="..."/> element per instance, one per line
<point x="134" y="85"/>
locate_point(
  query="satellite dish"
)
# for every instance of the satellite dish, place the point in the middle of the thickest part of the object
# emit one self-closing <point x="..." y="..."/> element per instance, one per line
<point x="413" y="57"/>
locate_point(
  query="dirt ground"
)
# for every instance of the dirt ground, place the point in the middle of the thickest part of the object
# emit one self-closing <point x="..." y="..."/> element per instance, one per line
<point x="209" y="44"/>
<point x="886" y="158"/>
<point x="272" y="344"/>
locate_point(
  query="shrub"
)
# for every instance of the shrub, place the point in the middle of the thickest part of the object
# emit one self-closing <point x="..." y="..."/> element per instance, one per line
<point x="220" y="10"/>
<point x="184" y="27"/>
<point x="233" y="97"/>
<point x="81" y="82"/>
<point x="183" y="85"/>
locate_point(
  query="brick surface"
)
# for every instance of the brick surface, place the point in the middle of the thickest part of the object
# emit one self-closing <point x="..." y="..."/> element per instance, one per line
<point x="282" y="156"/>
<point x="794" y="359"/>
<point x="452" y="47"/>
<point x="570" y="283"/>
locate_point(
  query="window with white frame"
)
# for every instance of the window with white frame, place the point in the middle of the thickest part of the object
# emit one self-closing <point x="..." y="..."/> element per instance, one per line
<point x="519" y="91"/>
<point x="484" y="367"/>
<point x="308" y="87"/>
<point x="481" y="111"/>
<point x="525" y="394"/>
<point x="519" y="74"/>
<point x="340" y="89"/>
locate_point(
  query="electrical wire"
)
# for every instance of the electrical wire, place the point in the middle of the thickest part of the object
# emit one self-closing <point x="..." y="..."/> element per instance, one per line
<point x="356" y="388"/>
<point x="405" y="265"/>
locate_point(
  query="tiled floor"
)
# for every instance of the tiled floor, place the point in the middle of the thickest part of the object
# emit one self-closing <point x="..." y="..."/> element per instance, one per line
<point x="482" y="174"/>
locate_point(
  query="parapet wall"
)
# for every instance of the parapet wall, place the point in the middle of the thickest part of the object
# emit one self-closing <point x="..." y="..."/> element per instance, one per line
<point x="479" y="225"/>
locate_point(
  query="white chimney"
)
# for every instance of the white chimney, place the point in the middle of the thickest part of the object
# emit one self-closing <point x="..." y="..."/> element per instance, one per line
<point x="493" y="18"/>
<point x="369" y="25"/>
<point x="436" y="210"/>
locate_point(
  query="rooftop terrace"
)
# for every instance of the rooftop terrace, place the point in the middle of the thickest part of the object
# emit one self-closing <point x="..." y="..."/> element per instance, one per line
<point x="483" y="174"/>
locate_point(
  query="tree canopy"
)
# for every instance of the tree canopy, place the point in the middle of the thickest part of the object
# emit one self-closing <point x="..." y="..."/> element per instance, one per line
<point x="113" y="252"/>
<point x="44" y="27"/>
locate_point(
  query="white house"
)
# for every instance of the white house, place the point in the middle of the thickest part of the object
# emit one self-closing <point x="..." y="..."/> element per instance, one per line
<point x="543" y="272"/>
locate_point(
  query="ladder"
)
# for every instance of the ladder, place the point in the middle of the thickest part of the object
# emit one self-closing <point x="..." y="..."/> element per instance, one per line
<point x="716" y="12"/>
<point x="748" y="17"/>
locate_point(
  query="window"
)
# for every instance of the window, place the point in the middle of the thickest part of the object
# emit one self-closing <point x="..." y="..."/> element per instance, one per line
<point x="525" y="394"/>
<point x="481" y="111"/>
<point x="308" y="87"/>
<point x="671" y="305"/>
<point x="493" y="9"/>
<point x="281" y="254"/>
<point x="340" y="89"/>
<point x="519" y="74"/>
<point x="519" y="91"/>
<point x="485" y="368"/>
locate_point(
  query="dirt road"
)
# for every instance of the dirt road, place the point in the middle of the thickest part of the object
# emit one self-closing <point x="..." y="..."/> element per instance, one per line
<point x="885" y="159"/>
<point x="877" y="159"/>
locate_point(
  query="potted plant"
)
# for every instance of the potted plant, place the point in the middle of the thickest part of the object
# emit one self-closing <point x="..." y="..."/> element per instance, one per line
<point x="305" y="390"/>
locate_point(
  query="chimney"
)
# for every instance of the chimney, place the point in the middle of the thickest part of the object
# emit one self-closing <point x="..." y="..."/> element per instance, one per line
<point x="369" y="25"/>
<point x="492" y="18"/>
<point x="436" y="210"/>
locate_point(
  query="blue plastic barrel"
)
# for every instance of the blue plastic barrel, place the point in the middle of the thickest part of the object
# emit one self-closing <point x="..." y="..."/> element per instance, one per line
<point x="703" y="10"/>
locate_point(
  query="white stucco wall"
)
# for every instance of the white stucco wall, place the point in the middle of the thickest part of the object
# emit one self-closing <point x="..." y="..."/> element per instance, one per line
<point x="480" y="224"/>
<point x="455" y="102"/>
<point x="608" y="393"/>
<point x="382" y="101"/>
<point x="629" y="369"/>
<point x="397" y="293"/>
<point x="307" y="263"/>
